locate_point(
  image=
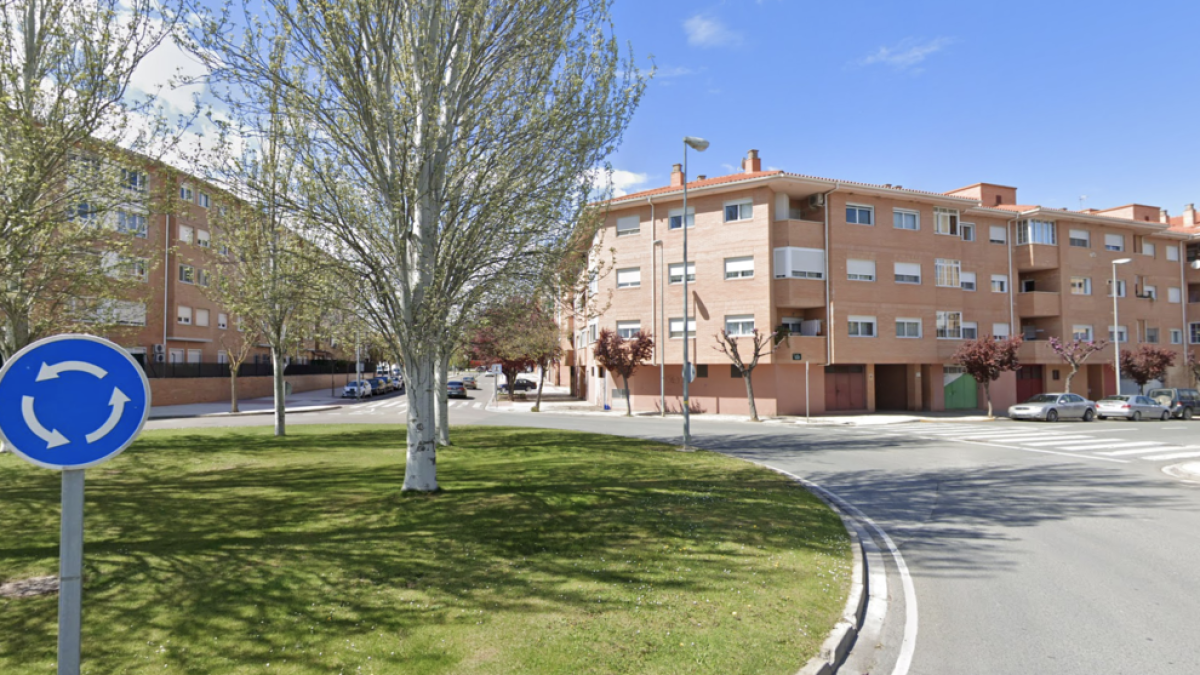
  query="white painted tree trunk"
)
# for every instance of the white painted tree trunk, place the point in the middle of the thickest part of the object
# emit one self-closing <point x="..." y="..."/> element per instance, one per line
<point x="280" y="395"/>
<point x="420" y="470"/>
<point x="443" y="399"/>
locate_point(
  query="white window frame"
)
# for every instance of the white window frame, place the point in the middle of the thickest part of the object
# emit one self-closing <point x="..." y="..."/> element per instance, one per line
<point x="1081" y="332"/>
<point x="1083" y="289"/>
<point x="628" y="329"/>
<point x="992" y="230"/>
<point x="186" y="234"/>
<point x="1079" y="238"/>
<point x="908" y="324"/>
<point x="202" y="199"/>
<point x="856" y="324"/>
<point x="1121" y="287"/>
<point x="967" y="230"/>
<point x="1001" y="330"/>
<point x="948" y="325"/>
<point x="1110" y="244"/>
<point x="132" y="223"/>
<point x="945" y="221"/>
<point x="677" y="270"/>
<point x="947" y="273"/>
<point x="1157" y="334"/>
<point x="856" y="269"/>
<point x="899" y="216"/>
<point x="187" y="274"/>
<point x="793" y="262"/>
<point x="859" y="209"/>
<point x="1002" y="280"/>
<point x="742" y="325"/>
<point x="629" y="225"/>
<point x="1122" y="334"/>
<point x="675" y="216"/>
<point x="183" y="315"/>
<point x="1194" y="333"/>
<point x="1041" y="232"/>
<point x="744" y="210"/>
<point x="222" y="320"/>
<point x="973" y="327"/>
<point x="202" y="239"/>
<point x="186" y="193"/>
<point x="905" y="270"/>
<point x="202" y="316"/>
<point x="675" y="328"/>
<point x="1174" y="295"/>
<point x="1148" y="248"/>
<point x="1176" y="336"/>
<point x="637" y="283"/>
<point x="222" y="357"/>
<point x="743" y="268"/>
<point x="968" y="281"/>
<point x="1172" y="253"/>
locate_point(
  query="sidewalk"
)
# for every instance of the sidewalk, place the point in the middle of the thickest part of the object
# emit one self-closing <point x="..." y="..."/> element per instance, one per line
<point x="309" y="401"/>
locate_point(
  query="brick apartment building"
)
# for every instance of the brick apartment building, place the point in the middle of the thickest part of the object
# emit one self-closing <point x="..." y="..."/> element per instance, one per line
<point x="878" y="286"/>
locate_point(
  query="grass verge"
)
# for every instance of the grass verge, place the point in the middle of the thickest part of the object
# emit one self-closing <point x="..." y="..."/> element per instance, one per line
<point x="231" y="551"/>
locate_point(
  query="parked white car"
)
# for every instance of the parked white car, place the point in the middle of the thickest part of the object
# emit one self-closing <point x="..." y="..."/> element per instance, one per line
<point x="1052" y="407"/>
<point x="357" y="389"/>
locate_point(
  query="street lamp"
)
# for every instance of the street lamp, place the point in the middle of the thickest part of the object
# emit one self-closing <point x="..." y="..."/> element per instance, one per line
<point x="699" y="145"/>
<point x="1116" y="323"/>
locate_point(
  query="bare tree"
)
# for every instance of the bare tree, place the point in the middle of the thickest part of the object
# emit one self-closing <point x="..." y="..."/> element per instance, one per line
<point x="238" y="346"/>
<point x="1075" y="353"/>
<point x="623" y="356"/>
<point x="986" y="359"/>
<point x="423" y="158"/>
<point x="761" y="345"/>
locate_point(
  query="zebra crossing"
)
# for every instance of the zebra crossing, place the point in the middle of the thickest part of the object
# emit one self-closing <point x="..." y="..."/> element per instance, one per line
<point x="399" y="406"/>
<point x="1097" y="443"/>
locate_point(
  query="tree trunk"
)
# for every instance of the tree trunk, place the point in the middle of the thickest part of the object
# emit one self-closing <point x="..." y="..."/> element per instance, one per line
<point x="233" y="399"/>
<point x="750" y="395"/>
<point x="442" y="410"/>
<point x="628" y="398"/>
<point x="1070" y="376"/>
<point x="420" y="469"/>
<point x="537" y="406"/>
<point x="987" y="394"/>
<point x="511" y="380"/>
<point x="280" y="398"/>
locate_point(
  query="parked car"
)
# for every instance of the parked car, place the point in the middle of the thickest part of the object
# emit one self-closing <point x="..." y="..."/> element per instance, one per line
<point x="379" y="385"/>
<point x="357" y="389"/>
<point x="1183" y="403"/>
<point x="456" y="389"/>
<point x="1051" y="407"/>
<point x="520" y="385"/>
<point x="480" y="369"/>
<point x="469" y="382"/>
<point x="1131" y="407"/>
<point x="398" y="382"/>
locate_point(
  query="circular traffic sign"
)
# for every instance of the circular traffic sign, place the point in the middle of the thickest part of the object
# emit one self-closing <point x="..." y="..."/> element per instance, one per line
<point x="72" y="401"/>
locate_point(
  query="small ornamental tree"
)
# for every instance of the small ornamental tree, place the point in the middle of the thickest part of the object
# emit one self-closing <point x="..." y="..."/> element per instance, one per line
<point x="986" y="358"/>
<point x="623" y="356"/>
<point x="1194" y="365"/>
<point x="1145" y="364"/>
<point x="1075" y="352"/>
<point x="761" y="344"/>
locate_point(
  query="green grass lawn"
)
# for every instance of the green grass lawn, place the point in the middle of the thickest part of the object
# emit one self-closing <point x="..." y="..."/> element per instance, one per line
<point x="231" y="551"/>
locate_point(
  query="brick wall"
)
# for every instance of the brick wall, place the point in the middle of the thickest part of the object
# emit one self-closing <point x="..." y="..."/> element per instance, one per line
<point x="184" y="390"/>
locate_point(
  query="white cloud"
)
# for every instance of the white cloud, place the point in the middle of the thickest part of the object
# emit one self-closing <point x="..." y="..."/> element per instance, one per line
<point x="667" y="72"/>
<point x="906" y="55"/>
<point x="625" y="182"/>
<point x="708" y="31"/>
<point x="164" y="67"/>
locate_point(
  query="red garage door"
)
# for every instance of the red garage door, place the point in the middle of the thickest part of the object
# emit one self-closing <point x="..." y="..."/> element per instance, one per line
<point x="845" y="388"/>
<point x="1029" y="382"/>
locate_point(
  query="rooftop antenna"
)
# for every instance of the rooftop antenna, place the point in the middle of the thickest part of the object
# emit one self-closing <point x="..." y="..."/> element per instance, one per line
<point x="1082" y="199"/>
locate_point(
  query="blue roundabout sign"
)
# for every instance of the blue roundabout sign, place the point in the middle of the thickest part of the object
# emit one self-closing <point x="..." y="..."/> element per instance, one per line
<point x="72" y="401"/>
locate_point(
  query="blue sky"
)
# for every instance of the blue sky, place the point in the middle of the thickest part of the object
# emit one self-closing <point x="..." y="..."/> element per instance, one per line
<point x="1059" y="99"/>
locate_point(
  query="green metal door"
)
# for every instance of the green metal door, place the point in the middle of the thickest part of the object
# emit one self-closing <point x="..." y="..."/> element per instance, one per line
<point x="959" y="389"/>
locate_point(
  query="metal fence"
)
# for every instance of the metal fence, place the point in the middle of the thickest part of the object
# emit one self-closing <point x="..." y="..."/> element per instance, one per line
<point x="261" y="369"/>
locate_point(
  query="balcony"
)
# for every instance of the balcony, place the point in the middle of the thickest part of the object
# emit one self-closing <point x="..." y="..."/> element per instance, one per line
<point x="1034" y="257"/>
<point x="810" y="348"/>
<point x="1039" y="303"/>
<point x="799" y="293"/>
<point x="1037" y="351"/>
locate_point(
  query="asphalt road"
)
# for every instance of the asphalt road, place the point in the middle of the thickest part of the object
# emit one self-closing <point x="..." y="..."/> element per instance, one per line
<point x="1030" y="547"/>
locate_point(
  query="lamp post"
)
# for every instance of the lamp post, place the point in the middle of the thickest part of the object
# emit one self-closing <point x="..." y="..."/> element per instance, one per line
<point x="699" y="145"/>
<point x="1117" y="323"/>
<point x="662" y="324"/>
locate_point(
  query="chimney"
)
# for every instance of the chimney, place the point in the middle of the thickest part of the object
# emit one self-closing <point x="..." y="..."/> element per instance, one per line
<point x="752" y="163"/>
<point x="676" y="175"/>
<point x="701" y="177"/>
<point x="1163" y="216"/>
<point x="1189" y="215"/>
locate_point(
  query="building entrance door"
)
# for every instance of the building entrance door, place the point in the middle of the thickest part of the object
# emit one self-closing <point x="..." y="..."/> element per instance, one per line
<point x="1029" y="382"/>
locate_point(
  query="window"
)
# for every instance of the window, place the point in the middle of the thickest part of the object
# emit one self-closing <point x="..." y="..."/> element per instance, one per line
<point x="862" y="326"/>
<point x="83" y="213"/>
<point x="1172" y="253"/>
<point x="630" y="277"/>
<point x="997" y="234"/>
<point x="132" y="179"/>
<point x="136" y="268"/>
<point x="858" y="214"/>
<point x="222" y="356"/>
<point x="675" y="273"/>
<point x="194" y="355"/>
<point x="968" y="281"/>
<point x="1150" y="292"/>
<point x="184" y="315"/>
<point x="949" y="325"/>
<point x="1194" y="333"/>
<point x="970" y="330"/>
<point x="203" y="277"/>
<point x="1176" y="336"/>
<point x="1036" y="232"/>
<point x="1081" y="286"/>
<point x="948" y="272"/>
<point x="968" y="231"/>
<point x="1121" y="335"/>
<point x="903" y="219"/>
<point x="132" y="223"/>
<point x="176" y="355"/>
<point x="1174" y="294"/>
<point x="945" y="221"/>
<point x="793" y="325"/>
<point x="999" y="283"/>
<point x="739" y="268"/>
<point x="593" y="283"/>
<point x="1152" y="335"/>
<point x="186" y="234"/>
<point x="907" y="273"/>
<point x="222" y="321"/>
<point x="628" y="329"/>
<point x="1114" y="242"/>
<point x="1120" y="288"/>
<point x="629" y="225"/>
<point x="1083" y="333"/>
<point x="701" y="370"/>
<point x="201" y="317"/>
<point x="799" y="263"/>
<point x="1028" y="285"/>
<point x="675" y="220"/>
<point x="187" y="274"/>
<point x="1079" y="238"/>
<point x="740" y="325"/>
<point x="743" y="209"/>
<point x="1000" y="330"/>
<point x="676" y="327"/>
<point x="202" y="239"/>
<point x="860" y="270"/>
<point x="1147" y="248"/>
<point x="908" y="328"/>
<point x="203" y="199"/>
<point x="185" y="193"/>
<point x="593" y="332"/>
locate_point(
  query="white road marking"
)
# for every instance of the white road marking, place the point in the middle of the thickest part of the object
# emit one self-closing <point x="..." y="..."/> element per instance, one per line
<point x="1152" y="447"/>
<point x="1048" y="452"/>
<point x="1118" y="446"/>
<point x="1061" y="439"/>
<point x="1013" y="437"/>
<point x="1174" y="455"/>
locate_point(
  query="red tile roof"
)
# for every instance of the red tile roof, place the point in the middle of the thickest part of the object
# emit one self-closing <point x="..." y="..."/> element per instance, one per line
<point x="731" y="178"/>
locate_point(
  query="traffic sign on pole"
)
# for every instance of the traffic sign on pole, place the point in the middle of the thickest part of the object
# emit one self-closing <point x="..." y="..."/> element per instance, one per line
<point x="70" y="402"/>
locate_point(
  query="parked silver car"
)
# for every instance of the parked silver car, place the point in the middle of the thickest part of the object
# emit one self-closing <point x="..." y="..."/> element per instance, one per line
<point x="1052" y="407"/>
<point x="1131" y="407"/>
<point x="357" y="389"/>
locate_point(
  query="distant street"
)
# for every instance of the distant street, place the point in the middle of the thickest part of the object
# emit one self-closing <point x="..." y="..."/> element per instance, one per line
<point x="1032" y="547"/>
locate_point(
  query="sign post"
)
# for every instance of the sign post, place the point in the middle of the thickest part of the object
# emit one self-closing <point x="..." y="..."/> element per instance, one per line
<point x="67" y="403"/>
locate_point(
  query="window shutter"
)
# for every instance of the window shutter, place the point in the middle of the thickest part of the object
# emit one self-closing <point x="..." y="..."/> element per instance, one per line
<point x="630" y="276"/>
<point x="908" y="269"/>
<point x="782" y="263"/>
<point x="861" y="267"/>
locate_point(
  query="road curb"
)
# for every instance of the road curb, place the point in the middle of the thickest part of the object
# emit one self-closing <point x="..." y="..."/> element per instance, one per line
<point x="291" y="411"/>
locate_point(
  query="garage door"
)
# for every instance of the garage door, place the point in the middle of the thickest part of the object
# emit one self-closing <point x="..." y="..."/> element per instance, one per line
<point x="845" y="388"/>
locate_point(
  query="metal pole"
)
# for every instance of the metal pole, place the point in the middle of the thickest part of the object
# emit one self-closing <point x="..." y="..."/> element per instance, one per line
<point x="662" y="325"/>
<point x="70" y="571"/>
<point x="806" y="396"/>
<point x="686" y="366"/>
<point x="357" y="371"/>
<point x="1116" y="331"/>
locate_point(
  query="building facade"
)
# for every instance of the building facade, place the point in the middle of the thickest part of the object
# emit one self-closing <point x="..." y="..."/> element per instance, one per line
<point x="878" y="286"/>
